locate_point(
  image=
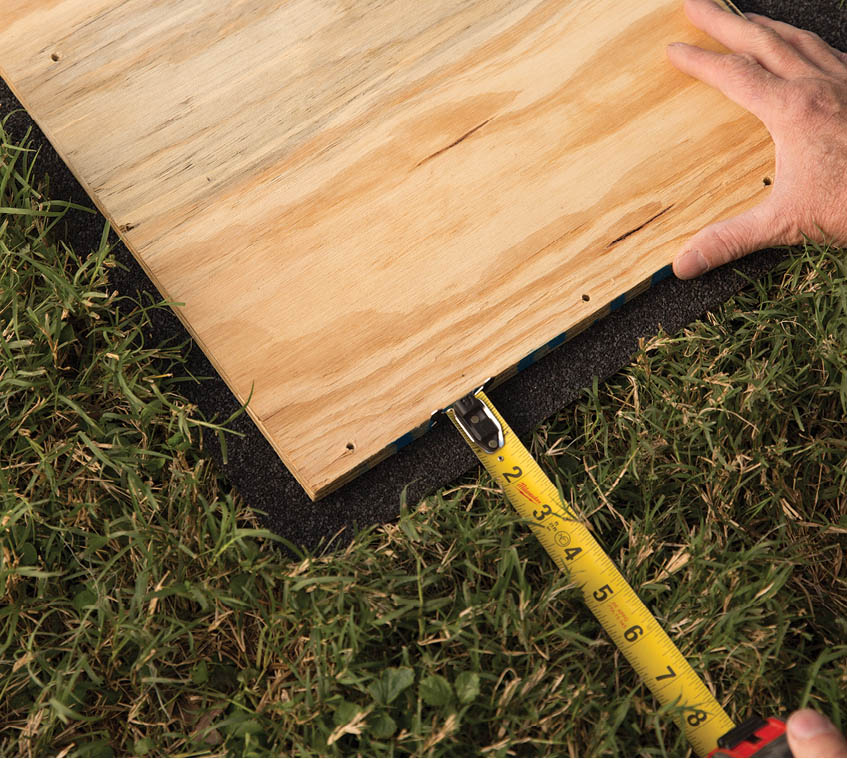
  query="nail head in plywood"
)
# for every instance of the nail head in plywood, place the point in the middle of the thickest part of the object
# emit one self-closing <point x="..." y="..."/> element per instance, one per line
<point x="369" y="208"/>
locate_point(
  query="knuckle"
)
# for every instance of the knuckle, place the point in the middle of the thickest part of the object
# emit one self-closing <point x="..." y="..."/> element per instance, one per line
<point x="816" y="99"/>
<point x="742" y="70"/>
<point x="769" y="46"/>
<point x="767" y="40"/>
<point x="741" y="60"/>
<point x="728" y="245"/>
<point x="804" y="36"/>
<point x="740" y="65"/>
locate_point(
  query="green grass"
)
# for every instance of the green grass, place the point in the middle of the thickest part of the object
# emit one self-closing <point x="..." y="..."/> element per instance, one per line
<point x="144" y="610"/>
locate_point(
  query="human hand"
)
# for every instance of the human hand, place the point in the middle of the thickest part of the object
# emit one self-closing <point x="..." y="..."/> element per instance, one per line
<point x="796" y="84"/>
<point x="812" y="735"/>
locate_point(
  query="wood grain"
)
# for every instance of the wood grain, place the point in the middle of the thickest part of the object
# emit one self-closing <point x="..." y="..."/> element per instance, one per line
<point x="368" y="208"/>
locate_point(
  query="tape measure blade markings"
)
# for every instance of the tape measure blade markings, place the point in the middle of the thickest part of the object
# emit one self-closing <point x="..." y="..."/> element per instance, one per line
<point x="623" y="615"/>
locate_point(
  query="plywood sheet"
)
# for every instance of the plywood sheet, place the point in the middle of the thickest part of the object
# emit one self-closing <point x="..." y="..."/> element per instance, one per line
<point x="369" y="207"/>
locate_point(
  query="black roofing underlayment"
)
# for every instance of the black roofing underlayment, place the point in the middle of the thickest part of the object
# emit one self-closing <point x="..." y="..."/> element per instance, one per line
<point x="440" y="456"/>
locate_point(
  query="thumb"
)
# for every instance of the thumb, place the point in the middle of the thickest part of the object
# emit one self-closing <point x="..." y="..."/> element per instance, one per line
<point x="811" y="735"/>
<point x="725" y="241"/>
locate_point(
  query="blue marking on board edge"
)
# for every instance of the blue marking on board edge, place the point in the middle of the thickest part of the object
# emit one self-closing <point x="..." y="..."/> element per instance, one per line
<point x="527" y="361"/>
<point x="539" y="353"/>
<point x="412" y="435"/>
<point x="557" y="341"/>
<point x="663" y="273"/>
<point x="617" y="302"/>
<point x="404" y="440"/>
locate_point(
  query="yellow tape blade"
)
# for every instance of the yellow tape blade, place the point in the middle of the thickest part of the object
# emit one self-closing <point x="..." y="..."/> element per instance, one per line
<point x="634" y="630"/>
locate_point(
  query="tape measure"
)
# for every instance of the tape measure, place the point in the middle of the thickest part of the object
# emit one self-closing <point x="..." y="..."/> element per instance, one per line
<point x="629" y="623"/>
<point x="567" y="539"/>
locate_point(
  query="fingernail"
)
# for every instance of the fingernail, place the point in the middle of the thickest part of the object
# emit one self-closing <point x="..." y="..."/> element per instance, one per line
<point x="808" y="723"/>
<point x="690" y="264"/>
